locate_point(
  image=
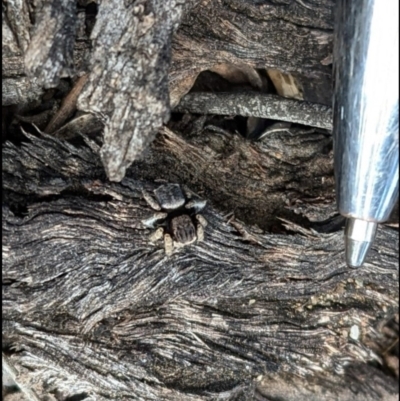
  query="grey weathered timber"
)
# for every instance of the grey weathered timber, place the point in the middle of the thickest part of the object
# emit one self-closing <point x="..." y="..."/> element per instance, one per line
<point x="95" y="308"/>
<point x="293" y="37"/>
<point x="20" y="91"/>
<point x="49" y="56"/>
<point x="127" y="58"/>
<point x="128" y="79"/>
<point x="264" y="308"/>
<point x="258" y="105"/>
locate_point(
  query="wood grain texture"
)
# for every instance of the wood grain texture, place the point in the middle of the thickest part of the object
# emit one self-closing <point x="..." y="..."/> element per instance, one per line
<point x="94" y="308"/>
<point x="128" y="80"/>
<point x="292" y="37"/>
<point x="132" y="82"/>
<point x="49" y="56"/>
<point x="258" y="105"/>
<point x="265" y="307"/>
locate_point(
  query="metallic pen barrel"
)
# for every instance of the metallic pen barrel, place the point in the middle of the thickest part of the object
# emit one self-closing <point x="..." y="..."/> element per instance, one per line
<point x="366" y="118"/>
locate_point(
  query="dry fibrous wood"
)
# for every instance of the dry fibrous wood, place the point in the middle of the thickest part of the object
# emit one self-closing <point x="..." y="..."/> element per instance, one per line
<point x="128" y="57"/>
<point x="93" y="307"/>
<point x="20" y="91"/>
<point x="289" y="174"/>
<point x="265" y="307"/>
<point x="15" y="27"/>
<point x="128" y="80"/>
<point x="49" y="56"/>
<point x="258" y="105"/>
<point x="293" y="37"/>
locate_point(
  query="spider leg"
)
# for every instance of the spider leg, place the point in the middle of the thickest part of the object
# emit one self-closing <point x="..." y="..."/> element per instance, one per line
<point x="168" y="244"/>
<point x="187" y="192"/>
<point x="150" y="200"/>
<point x="158" y="234"/>
<point x="151" y="221"/>
<point x="200" y="233"/>
<point x="202" y="220"/>
<point x="197" y="205"/>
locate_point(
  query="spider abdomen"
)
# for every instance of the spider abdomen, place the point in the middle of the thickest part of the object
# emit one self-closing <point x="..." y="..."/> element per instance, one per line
<point x="183" y="230"/>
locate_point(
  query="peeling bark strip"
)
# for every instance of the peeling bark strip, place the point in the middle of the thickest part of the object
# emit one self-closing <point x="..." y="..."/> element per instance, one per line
<point x="258" y="105"/>
<point x="128" y="81"/>
<point x="93" y="307"/>
<point x="50" y="54"/>
<point x="294" y="37"/>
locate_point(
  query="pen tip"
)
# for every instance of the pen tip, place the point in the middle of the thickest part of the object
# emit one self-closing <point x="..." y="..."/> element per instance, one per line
<point x="356" y="252"/>
<point x="359" y="236"/>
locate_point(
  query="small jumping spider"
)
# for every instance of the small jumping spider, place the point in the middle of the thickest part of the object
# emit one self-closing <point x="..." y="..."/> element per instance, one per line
<point x="177" y="217"/>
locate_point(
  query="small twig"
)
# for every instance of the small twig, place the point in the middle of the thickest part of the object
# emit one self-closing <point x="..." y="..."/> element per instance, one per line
<point x="258" y="105"/>
<point x="68" y="106"/>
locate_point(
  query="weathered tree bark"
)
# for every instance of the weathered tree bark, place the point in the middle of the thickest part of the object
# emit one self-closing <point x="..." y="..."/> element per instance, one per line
<point x="83" y="284"/>
<point x="134" y="103"/>
<point x="258" y="105"/>
<point x="265" y="307"/>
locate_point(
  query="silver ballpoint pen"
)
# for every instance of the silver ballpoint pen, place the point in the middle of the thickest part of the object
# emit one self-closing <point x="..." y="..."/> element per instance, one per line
<point x="366" y="118"/>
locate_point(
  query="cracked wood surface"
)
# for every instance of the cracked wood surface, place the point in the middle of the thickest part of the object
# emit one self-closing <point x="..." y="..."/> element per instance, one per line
<point x="257" y="105"/>
<point x="131" y="80"/>
<point x="94" y="308"/>
<point x="265" y="307"/>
